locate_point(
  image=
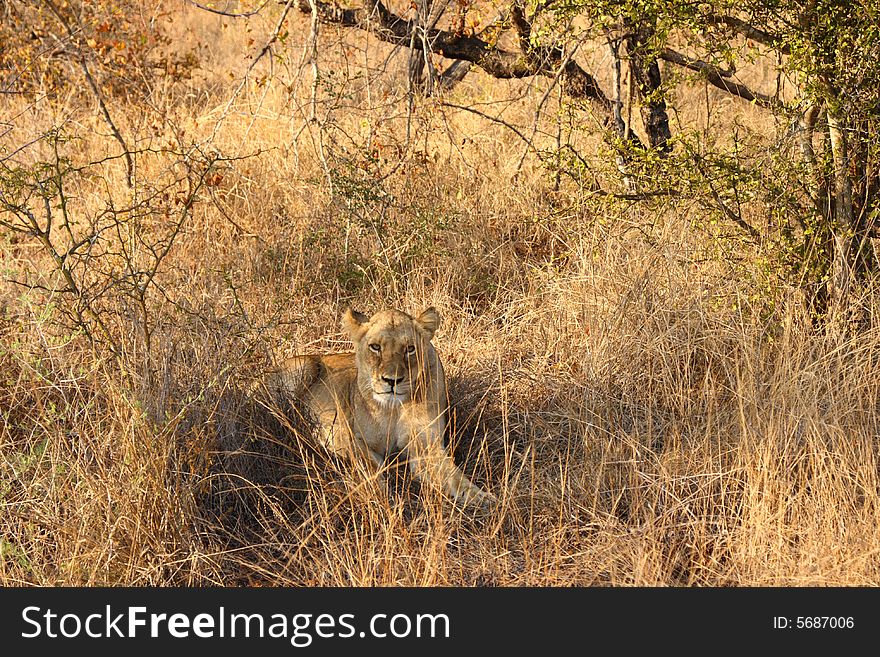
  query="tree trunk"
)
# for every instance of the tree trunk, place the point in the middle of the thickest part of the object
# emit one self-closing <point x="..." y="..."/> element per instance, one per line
<point x="843" y="225"/>
<point x="623" y="130"/>
<point x="645" y="70"/>
<point x="422" y="76"/>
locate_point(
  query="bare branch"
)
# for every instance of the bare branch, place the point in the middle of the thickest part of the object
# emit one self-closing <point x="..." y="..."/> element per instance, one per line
<point x="304" y="6"/>
<point x="716" y="77"/>
<point x="749" y="31"/>
<point x="454" y="74"/>
<point x="81" y="60"/>
<point x="375" y="18"/>
<point x="494" y="119"/>
<point x="229" y="14"/>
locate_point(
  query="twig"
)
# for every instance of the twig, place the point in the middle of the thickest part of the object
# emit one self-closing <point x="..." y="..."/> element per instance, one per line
<point x="494" y="119"/>
<point x="81" y="60"/>
<point x="228" y="14"/>
<point x="265" y="49"/>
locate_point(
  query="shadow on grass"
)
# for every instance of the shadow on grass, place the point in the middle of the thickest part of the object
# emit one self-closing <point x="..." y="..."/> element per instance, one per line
<point x="275" y="492"/>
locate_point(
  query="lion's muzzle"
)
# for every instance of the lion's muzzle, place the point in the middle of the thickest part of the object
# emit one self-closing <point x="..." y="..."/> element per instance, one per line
<point x="390" y="389"/>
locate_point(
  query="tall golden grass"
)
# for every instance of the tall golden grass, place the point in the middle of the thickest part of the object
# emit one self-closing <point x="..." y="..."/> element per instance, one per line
<point x="642" y="416"/>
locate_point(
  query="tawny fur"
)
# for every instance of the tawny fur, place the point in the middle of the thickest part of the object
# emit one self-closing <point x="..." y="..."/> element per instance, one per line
<point x="388" y="395"/>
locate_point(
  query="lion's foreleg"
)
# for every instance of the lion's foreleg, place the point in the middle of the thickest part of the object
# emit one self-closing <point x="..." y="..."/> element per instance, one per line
<point x="339" y="439"/>
<point x="430" y="463"/>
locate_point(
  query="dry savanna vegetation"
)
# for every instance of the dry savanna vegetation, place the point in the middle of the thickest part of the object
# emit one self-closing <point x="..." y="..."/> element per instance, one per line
<point x="662" y="358"/>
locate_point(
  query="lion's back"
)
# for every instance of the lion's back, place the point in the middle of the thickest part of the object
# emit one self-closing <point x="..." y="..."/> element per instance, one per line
<point x="306" y="373"/>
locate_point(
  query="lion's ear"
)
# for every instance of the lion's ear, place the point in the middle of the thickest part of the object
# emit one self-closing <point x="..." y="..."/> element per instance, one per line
<point x="353" y="322"/>
<point x="429" y="321"/>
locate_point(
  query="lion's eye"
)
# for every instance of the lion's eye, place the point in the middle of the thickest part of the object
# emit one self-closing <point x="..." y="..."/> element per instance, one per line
<point x="410" y="350"/>
<point x="375" y="348"/>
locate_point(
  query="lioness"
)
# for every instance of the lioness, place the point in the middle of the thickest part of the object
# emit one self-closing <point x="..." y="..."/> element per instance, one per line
<point x="388" y="395"/>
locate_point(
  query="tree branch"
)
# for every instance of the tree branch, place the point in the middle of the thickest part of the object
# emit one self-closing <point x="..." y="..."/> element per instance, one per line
<point x="96" y="92"/>
<point x="230" y="14"/>
<point x="375" y="18"/>
<point x="749" y="31"/>
<point x="459" y="68"/>
<point x="716" y="77"/>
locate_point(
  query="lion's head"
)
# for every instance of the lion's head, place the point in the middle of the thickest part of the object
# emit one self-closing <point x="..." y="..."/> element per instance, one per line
<point x="393" y="352"/>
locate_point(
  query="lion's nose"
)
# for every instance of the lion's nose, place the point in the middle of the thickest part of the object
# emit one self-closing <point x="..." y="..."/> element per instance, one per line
<point x="392" y="380"/>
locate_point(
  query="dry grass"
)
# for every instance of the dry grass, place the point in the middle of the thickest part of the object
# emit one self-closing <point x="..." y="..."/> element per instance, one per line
<point x="641" y="416"/>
